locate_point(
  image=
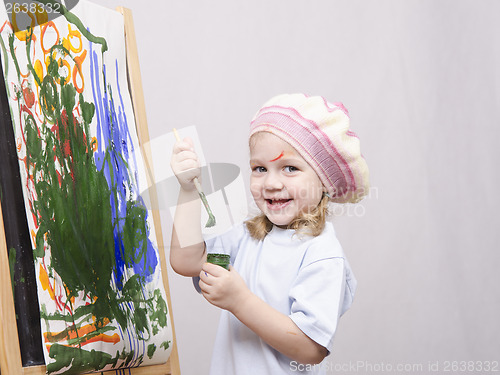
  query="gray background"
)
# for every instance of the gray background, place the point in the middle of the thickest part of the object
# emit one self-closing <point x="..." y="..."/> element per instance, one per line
<point x="421" y="81"/>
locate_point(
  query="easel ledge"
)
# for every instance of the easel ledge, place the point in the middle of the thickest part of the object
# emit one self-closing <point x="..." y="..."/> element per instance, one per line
<point x="10" y="354"/>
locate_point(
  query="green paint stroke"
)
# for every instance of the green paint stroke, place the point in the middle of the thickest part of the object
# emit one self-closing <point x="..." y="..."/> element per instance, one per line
<point x="151" y="350"/>
<point x="73" y="19"/>
<point x="5" y="66"/>
<point x="80" y="360"/>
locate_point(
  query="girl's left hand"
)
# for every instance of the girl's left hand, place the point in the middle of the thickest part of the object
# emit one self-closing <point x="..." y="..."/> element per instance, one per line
<point x="222" y="288"/>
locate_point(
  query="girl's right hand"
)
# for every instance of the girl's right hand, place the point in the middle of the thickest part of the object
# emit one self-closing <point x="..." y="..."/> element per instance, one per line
<point x="185" y="163"/>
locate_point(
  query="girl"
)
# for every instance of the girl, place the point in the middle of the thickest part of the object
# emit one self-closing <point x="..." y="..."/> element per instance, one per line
<point x="289" y="281"/>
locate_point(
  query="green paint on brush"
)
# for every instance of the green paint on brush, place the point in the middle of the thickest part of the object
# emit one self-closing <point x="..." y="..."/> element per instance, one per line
<point x="211" y="217"/>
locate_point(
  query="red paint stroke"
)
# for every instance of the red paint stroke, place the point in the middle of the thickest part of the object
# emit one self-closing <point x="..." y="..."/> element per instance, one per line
<point x="279" y="157"/>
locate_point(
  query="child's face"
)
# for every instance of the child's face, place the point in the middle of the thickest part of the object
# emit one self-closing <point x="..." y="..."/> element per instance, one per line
<point x="282" y="183"/>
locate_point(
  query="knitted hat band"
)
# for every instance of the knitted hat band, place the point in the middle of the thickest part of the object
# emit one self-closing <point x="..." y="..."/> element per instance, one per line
<point x="319" y="131"/>
<point x="307" y="139"/>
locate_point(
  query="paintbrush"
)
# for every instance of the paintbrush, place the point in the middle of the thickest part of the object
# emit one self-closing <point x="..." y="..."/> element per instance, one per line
<point x="211" y="217"/>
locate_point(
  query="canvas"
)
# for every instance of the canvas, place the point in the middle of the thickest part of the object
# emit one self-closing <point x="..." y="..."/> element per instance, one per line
<point x="101" y="297"/>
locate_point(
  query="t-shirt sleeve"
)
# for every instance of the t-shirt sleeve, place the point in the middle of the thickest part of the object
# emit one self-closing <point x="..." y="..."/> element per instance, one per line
<point x="321" y="293"/>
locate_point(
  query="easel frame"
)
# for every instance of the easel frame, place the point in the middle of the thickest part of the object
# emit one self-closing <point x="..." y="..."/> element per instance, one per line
<point x="10" y="353"/>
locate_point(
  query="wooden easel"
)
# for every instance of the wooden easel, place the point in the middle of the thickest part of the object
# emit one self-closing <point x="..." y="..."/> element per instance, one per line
<point x="10" y="354"/>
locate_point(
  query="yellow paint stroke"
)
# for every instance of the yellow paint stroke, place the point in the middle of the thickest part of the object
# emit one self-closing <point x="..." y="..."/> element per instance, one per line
<point x="38" y="71"/>
<point x="66" y="44"/>
<point x="64" y="64"/>
<point x="20" y="34"/>
<point x="47" y="61"/>
<point x="72" y="34"/>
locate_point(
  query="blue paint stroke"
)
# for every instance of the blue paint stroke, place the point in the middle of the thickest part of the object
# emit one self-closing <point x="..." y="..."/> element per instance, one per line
<point x="113" y="158"/>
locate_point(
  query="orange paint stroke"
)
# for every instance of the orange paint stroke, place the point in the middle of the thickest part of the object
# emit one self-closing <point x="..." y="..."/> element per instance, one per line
<point x="72" y="300"/>
<point x="44" y="280"/>
<point x="114" y="339"/>
<point x="71" y="334"/>
<point x="279" y="157"/>
<point x="77" y="69"/>
<point x="93" y="144"/>
<point x="6" y="23"/>
<point x="44" y="28"/>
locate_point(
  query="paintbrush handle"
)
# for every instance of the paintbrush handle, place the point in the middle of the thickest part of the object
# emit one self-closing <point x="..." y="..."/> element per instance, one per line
<point x="198" y="186"/>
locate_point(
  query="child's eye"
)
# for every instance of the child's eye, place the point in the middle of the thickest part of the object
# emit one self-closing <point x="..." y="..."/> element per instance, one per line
<point x="290" y="169"/>
<point x="259" y="169"/>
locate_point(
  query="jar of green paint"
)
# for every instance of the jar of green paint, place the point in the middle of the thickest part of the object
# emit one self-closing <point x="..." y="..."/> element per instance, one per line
<point x="219" y="259"/>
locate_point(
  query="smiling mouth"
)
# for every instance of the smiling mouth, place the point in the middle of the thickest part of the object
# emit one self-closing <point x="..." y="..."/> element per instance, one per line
<point x="277" y="203"/>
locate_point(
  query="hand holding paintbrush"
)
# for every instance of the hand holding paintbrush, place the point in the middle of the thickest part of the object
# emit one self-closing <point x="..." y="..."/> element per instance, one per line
<point x="189" y="161"/>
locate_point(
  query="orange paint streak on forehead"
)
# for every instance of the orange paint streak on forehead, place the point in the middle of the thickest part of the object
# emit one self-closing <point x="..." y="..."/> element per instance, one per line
<point x="279" y="157"/>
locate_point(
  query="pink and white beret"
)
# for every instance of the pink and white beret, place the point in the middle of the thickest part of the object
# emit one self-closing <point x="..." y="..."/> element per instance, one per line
<point x="320" y="133"/>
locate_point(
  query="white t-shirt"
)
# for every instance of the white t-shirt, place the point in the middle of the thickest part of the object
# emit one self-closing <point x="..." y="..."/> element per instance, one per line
<point x="308" y="279"/>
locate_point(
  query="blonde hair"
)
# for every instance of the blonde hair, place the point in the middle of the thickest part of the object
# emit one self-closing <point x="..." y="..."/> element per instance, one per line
<point x="308" y="223"/>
